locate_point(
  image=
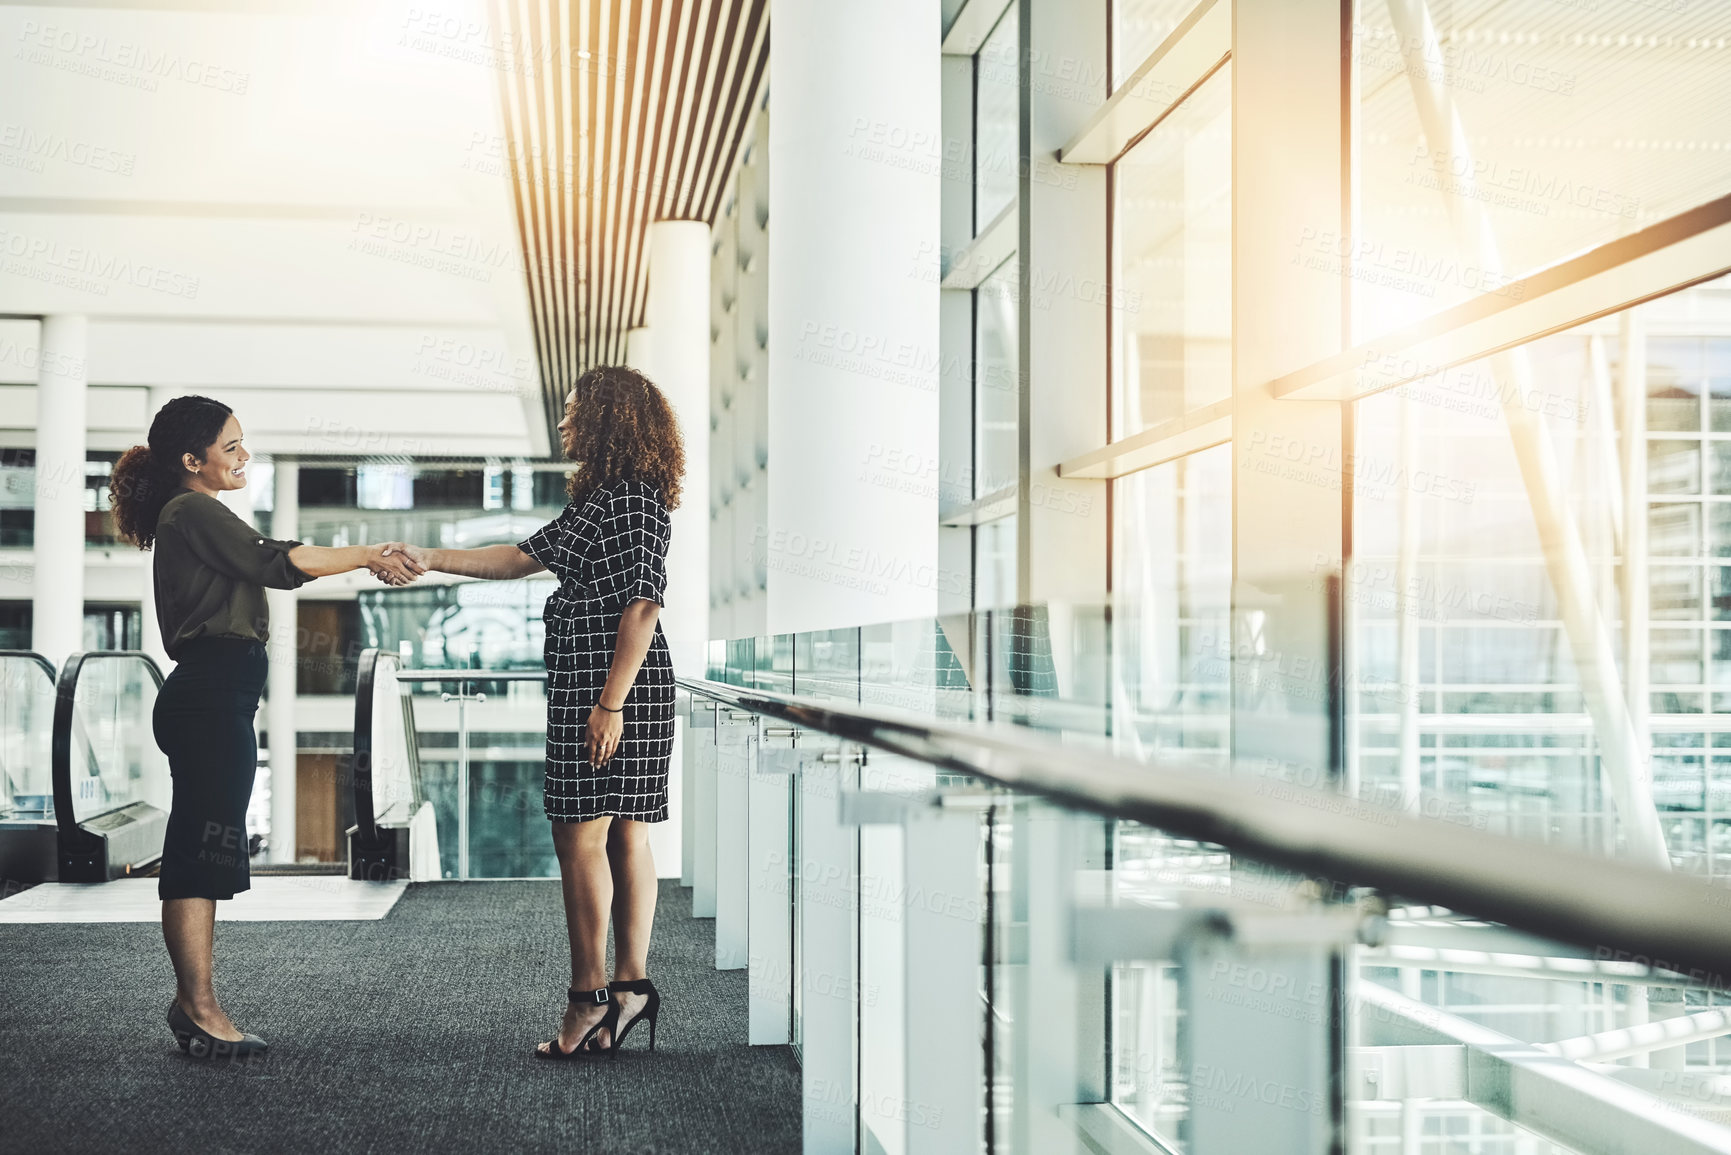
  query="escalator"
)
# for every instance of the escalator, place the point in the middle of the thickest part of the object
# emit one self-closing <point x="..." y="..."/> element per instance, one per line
<point x="86" y="791"/>
<point x="394" y="834"/>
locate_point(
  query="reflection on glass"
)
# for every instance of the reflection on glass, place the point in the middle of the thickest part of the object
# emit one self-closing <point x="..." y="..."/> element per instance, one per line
<point x="1557" y="127"/>
<point x="995" y="380"/>
<point x="1172" y="250"/>
<point x="996" y="89"/>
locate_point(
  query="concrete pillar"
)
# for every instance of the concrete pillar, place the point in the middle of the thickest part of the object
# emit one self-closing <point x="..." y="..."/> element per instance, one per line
<point x="679" y="319"/>
<point x="283" y="652"/>
<point x="639" y="349"/>
<point x="853" y="322"/>
<point x="62" y="381"/>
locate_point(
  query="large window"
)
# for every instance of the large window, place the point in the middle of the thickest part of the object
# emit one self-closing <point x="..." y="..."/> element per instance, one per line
<point x="996" y="148"/>
<point x="1550" y="127"/>
<point x="1172" y="263"/>
<point x="995" y="373"/>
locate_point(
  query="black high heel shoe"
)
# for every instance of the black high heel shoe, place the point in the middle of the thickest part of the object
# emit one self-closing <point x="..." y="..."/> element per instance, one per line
<point x="201" y="1044"/>
<point x="600" y="997"/>
<point x="650" y="1010"/>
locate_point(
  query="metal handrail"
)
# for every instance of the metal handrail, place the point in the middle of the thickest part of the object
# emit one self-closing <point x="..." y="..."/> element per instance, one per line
<point x="65" y="714"/>
<point x="33" y="656"/>
<point x="1618" y="910"/>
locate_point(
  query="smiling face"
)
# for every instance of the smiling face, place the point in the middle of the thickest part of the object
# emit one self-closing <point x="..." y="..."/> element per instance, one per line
<point x="567" y="426"/>
<point x="224" y="463"/>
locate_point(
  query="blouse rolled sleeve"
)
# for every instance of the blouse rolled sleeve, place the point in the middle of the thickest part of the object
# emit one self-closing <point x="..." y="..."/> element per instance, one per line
<point x="638" y="531"/>
<point x="221" y="540"/>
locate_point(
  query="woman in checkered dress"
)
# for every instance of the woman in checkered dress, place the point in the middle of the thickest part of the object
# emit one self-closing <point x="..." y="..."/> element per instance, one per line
<point x="609" y="687"/>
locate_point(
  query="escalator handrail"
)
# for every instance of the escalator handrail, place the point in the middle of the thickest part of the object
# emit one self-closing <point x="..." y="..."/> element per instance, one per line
<point x="361" y="760"/>
<point x="65" y="713"/>
<point x="32" y="655"/>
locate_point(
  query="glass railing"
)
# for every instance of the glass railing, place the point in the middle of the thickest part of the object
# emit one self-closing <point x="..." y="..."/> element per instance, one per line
<point x="26" y="735"/>
<point x="1123" y="940"/>
<point x="997" y="880"/>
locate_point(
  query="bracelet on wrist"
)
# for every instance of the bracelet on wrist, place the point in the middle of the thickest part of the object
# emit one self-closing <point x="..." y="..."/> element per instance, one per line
<point x="609" y="709"/>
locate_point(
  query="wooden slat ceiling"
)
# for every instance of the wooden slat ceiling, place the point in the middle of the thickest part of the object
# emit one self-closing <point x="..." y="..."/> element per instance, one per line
<point x="618" y="113"/>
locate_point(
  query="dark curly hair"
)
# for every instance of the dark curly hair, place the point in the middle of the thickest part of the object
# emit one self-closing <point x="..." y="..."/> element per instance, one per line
<point x="625" y="429"/>
<point x="146" y="476"/>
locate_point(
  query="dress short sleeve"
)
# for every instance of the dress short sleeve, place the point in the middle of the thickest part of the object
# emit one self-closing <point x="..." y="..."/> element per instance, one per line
<point x="636" y="531"/>
<point x="217" y="536"/>
<point x="547" y="545"/>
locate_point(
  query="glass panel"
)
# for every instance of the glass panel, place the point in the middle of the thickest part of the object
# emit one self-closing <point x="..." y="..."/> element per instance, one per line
<point x="1572" y="125"/>
<point x="1172" y="262"/>
<point x="996" y="362"/>
<point x="115" y="759"/>
<point x="1138" y="27"/>
<point x="995" y="564"/>
<point x="26" y="739"/>
<point x="1173" y="553"/>
<point x="996" y="105"/>
<point x="1673" y="466"/>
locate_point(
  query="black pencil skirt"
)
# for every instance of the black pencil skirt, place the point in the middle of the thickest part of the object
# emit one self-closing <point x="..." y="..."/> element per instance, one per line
<point x="204" y="723"/>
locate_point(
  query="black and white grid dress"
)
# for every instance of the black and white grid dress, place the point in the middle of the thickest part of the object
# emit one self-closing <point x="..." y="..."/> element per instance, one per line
<point x="607" y="552"/>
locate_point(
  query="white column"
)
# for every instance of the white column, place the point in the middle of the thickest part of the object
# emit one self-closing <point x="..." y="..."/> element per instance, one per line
<point x="679" y="318"/>
<point x="853" y="316"/>
<point x="62" y="381"/>
<point x="283" y="651"/>
<point x="638" y="345"/>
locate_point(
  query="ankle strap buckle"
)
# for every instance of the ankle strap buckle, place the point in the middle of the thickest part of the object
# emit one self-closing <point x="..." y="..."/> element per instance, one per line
<point x="598" y="997"/>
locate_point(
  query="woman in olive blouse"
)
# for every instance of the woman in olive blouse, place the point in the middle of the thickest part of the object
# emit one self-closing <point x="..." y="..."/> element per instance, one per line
<point x="210" y="576"/>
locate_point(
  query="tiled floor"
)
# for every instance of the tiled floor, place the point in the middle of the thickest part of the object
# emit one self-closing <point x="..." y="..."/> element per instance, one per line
<point x="320" y="898"/>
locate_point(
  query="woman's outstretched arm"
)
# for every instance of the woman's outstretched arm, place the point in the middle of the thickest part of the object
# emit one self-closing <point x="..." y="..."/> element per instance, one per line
<point x="492" y="561"/>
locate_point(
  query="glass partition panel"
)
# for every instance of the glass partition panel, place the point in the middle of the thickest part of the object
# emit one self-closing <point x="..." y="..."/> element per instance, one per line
<point x="115" y="759"/>
<point x="26" y="737"/>
<point x="827" y="664"/>
<point x="1495" y="139"/>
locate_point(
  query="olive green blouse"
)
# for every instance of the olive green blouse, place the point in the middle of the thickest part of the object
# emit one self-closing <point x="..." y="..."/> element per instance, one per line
<point x="211" y="572"/>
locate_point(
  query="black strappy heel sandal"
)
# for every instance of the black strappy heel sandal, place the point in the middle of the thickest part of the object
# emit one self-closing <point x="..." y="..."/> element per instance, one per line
<point x="601" y="997"/>
<point x="650" y="1010"/>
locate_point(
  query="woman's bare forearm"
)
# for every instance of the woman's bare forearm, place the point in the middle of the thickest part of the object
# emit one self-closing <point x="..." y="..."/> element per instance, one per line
<point x="324" y="560"/>
<point x="492" y="561"/>
<point x="636" y="631"/>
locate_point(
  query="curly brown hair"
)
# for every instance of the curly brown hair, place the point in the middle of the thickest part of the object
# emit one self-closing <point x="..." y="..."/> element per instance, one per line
<point x="624" y="428"/>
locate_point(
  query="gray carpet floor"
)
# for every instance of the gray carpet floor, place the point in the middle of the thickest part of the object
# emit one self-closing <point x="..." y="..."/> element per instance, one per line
<point x="408" y="1034"/>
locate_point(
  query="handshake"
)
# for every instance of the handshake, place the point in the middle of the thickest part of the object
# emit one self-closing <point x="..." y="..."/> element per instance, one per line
<point x="397" y="563"/>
